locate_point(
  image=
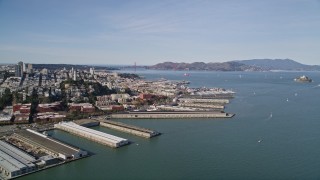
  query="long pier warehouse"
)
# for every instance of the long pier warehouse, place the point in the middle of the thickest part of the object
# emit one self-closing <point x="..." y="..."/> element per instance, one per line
<point x="49" y="145"/>
<point x="97" y="136"/>
<point x="14" y="162"/>
<point x="43" y="152"/>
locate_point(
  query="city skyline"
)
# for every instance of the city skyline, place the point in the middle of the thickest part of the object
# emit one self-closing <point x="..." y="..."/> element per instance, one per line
<point x="149" y="32"/>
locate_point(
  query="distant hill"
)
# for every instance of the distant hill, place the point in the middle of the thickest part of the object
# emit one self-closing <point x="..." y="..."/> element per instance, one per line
<point x="239" y="65"/>
<point x="225" y="66"/>
<point x="279" y="64"/>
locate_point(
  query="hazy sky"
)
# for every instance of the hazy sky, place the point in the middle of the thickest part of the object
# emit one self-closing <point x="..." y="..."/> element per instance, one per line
<point x="152" y="31"/>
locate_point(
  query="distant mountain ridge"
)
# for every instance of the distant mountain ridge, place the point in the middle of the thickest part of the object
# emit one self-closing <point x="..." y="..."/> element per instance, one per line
<point x="239" y="65"/>
<point x="279" y="64"/>
<point x="225" y="66"/>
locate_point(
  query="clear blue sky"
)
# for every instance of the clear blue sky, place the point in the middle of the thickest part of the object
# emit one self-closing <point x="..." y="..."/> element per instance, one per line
<point x="152" y="31"/>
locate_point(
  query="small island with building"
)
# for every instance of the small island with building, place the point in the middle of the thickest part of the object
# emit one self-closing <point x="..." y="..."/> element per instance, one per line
<point x="303" y="79"/>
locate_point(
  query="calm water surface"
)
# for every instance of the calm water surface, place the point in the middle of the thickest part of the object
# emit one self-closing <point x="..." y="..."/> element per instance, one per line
<point x="274" y="135"/>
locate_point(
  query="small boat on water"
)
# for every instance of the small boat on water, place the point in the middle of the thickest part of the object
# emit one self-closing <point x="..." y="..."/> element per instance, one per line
<point x="186" y="74"/>
<point x="303" y="79"/>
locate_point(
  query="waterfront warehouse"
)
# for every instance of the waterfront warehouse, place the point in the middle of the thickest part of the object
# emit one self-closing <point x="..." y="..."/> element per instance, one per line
<point x="97" y="136"/>
<point x="49" y="145"/>
<point x="14" y="162"/>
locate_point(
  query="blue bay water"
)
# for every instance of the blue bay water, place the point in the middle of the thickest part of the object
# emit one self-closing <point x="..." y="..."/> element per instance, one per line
<point x="270" y="107"/>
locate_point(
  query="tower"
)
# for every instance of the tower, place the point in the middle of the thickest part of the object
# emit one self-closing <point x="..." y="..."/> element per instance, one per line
<point x="29" y="68"/>
<point x="19" y="69"/>
<point x="92" y="71"/>
<point x="74" y="75"/>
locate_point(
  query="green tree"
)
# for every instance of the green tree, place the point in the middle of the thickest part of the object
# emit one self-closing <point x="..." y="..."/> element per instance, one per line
<point x="34" y="104"/>
<point x="6" y="99"/>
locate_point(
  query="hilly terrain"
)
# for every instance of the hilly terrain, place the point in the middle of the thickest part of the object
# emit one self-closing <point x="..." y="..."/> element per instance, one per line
<point x="279" y="64"/>
<point x="239" y="65"/>
<point x="225" y="66"/>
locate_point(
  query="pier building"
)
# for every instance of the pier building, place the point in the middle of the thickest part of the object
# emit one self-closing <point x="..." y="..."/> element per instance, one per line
<point x="14" y="162"/>
<point x="97" y="136"/>
<point x="49" y="145"/>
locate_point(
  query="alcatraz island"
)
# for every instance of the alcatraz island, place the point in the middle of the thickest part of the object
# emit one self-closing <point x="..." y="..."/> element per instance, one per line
<point x="35" y="99"/>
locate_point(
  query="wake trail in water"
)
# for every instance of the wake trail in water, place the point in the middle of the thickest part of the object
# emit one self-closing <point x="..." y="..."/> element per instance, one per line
<point x="269" y="117"/>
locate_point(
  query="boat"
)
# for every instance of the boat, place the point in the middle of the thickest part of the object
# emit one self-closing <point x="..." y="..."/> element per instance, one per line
<point x="303" y="79"/>
<point x="186" y="74"/>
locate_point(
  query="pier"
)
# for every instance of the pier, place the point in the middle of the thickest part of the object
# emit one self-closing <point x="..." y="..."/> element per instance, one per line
<point x="29" y="151"/>
<point x="210" y="96"/>
<point x="49" y="145"/>
<point x="97" y="136"/>
<point x="87" y="122"/>
<point x="168" y="115"/>
<point x="211" y="106"/>
<point x="217" y="101"/>
<point x="138" y="131"/>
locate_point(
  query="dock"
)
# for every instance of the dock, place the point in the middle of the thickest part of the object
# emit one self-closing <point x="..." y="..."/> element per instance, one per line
<point x="217" y="101"/>
<point x="135" y="130"/>
<point x="210" y="96"/>
<point x="170" y="114"/>
<point x="211" y="106"/>
<point x="97" y="136"/>
<point x="87" y="122"/>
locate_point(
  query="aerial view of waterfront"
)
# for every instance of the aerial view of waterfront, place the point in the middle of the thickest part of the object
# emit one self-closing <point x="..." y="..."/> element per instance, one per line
<point x="274" y="135"/>
<point x="149" y="89"/>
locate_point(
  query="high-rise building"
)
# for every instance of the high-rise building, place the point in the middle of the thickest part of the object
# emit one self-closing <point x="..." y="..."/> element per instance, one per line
<point x="29" y="68"/>
<point x="19" y="69"/>
<point x="92" y="71"/>
<point x="74" y="75"/>
<point x="44" y="71"/>
<point x="24" y="67"/>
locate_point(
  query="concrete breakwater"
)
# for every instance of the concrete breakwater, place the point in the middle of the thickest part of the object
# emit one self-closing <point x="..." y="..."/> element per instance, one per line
<point x="143" y="132"/>
<point x="168" y="115"/>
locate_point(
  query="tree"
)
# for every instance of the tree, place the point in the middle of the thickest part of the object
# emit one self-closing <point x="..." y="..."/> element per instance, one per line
<point x="6" y="99"/>
<point x="34" y="104"/>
